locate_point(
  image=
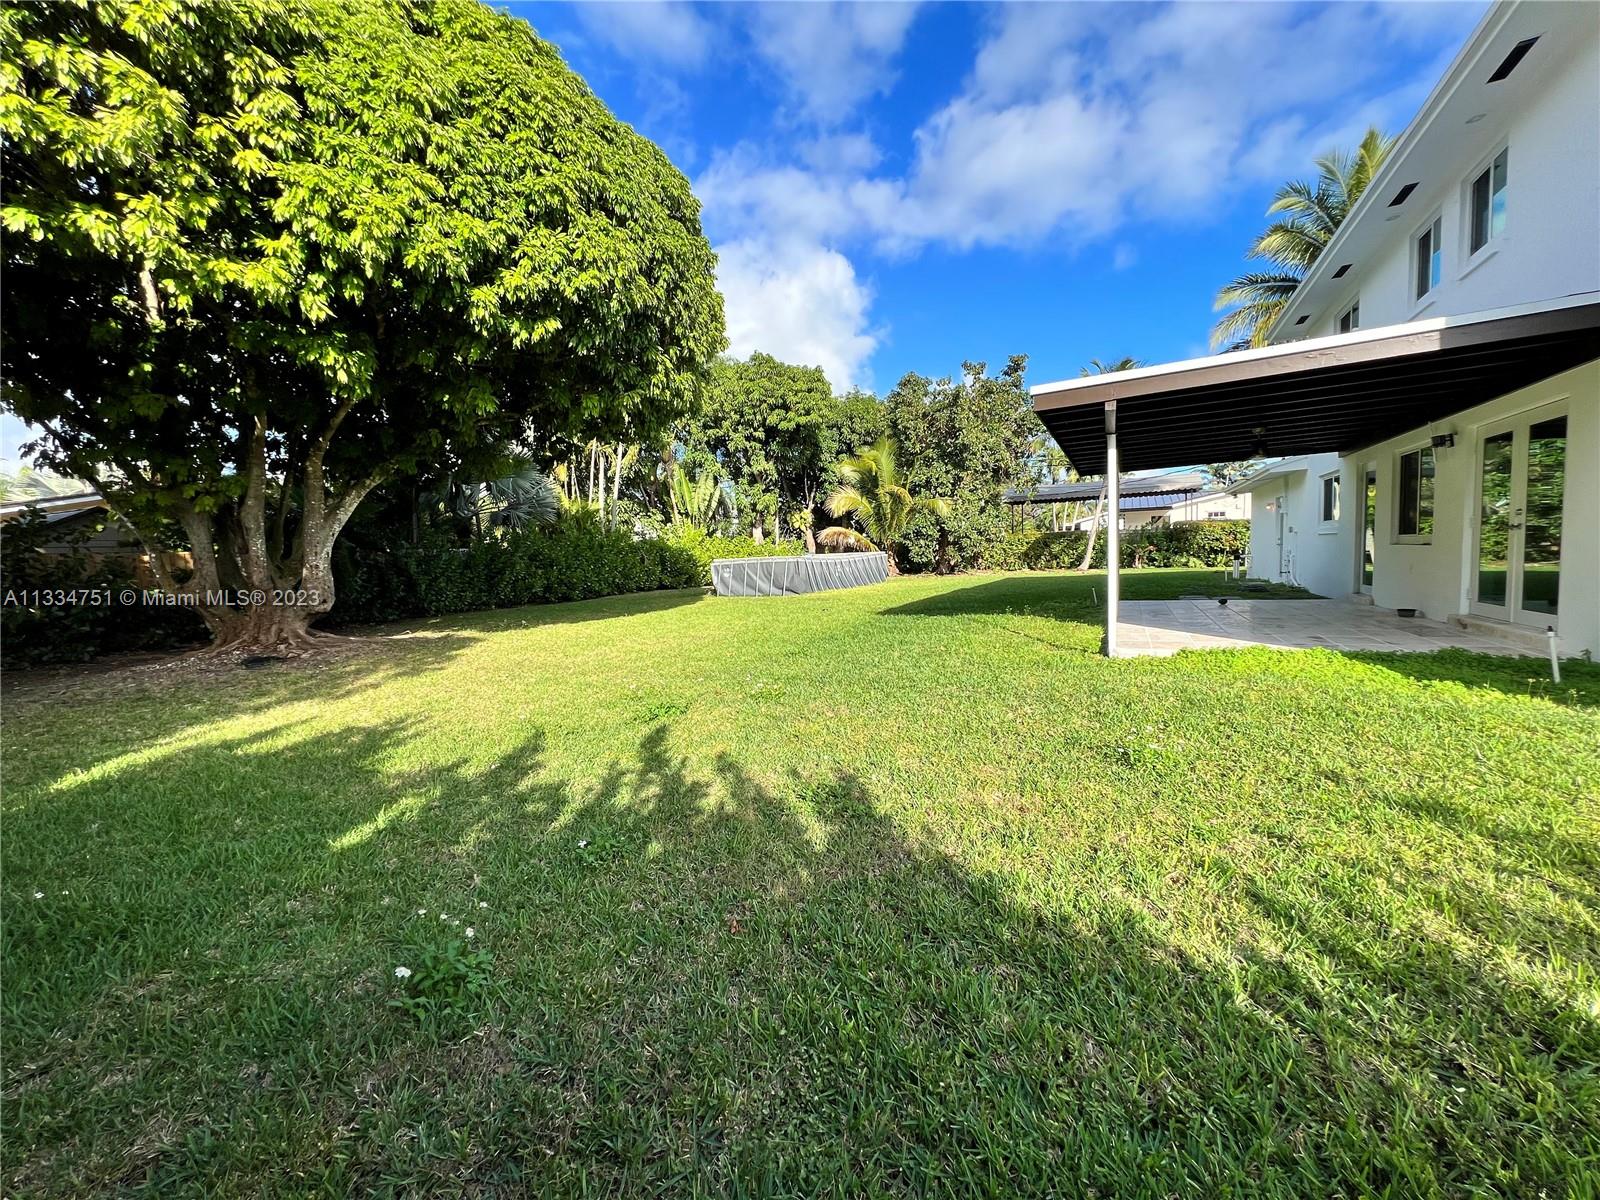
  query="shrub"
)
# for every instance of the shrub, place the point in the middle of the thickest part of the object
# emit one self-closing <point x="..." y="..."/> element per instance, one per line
<point x="576" y="558"/>
<point x="705" y="547"/>
<point x="33" y="634"/>
<point x="1196" y="544"/>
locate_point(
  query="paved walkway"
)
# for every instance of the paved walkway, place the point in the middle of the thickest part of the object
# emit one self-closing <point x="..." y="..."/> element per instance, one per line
<point x="1166" y="626"/>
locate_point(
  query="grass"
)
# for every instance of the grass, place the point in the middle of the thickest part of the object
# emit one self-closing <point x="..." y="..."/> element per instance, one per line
<point x="896" y="890"/>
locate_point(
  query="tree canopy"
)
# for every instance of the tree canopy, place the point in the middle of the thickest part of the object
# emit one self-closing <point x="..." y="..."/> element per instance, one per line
<point x="966" y="440"/>
<point x="262" y="256"/>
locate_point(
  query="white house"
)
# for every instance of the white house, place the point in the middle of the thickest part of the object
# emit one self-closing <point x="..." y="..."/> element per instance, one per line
<point x="1433" y="387"/>
<point x="1147" y="501"/>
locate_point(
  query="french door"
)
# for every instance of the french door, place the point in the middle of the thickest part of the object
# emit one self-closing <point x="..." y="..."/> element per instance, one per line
<point x="1517" y="544"/>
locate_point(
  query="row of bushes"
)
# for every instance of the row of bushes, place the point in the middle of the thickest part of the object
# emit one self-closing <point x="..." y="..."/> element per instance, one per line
<point x="1198" y="544"/>
<point x="577" y="558"/>
<point x="39" y="627"/>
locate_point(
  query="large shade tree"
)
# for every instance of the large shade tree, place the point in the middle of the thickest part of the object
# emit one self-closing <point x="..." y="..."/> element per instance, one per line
<point x="1308" y="215"/>
<point x="260" y="257"/>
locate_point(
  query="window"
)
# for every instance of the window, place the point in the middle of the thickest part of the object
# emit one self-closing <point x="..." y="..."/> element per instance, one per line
<point x="1350" y="318"/>
<point x="1429" y="259"/>
<point x="1330" y="499"/>
<point x="1215" y="516"/>
<point x="1487" y="203"/>
<point x="1416" y="495"/>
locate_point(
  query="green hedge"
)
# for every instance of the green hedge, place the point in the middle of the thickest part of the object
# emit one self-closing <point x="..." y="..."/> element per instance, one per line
<point x="1197" y="544"/>
<point x="574" y="559"/>
<point x="33" y="634"/>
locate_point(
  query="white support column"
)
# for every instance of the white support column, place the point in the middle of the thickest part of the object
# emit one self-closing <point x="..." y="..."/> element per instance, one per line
<point x="1113" y="532"/>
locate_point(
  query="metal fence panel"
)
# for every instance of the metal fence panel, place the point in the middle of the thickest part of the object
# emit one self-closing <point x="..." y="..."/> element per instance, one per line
<point x="796" y="574"/>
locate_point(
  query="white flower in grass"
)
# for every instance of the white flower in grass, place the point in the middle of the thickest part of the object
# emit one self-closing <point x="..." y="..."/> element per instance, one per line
<point x="444" y="916"/>
<point x="402" y="972"/>
<point x="483" y="904"/>
<point x="471" y="932"/>
<point x="38" y="895"/>
<point x="583" y="843"/>
<point x="422" y="912"/>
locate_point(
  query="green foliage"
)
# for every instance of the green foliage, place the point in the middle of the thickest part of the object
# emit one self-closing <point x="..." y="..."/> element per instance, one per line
<point x="968" y="441"/>
<point x="775" y="431"/>
<point x="444" y="987"/>
<point x="705" y="547"/>
<point x="1195" y="544"/>
<point x="871" y="492"/>
<point x="576" y="558"/>
<point x="698" y="501"/>
<point x="316" y="244"/>
<point x="1314" y="213"/>
<point x="33" y="634"/>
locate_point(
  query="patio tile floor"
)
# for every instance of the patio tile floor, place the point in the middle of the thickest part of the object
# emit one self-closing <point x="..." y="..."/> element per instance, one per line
<point x="1161" y="627"/>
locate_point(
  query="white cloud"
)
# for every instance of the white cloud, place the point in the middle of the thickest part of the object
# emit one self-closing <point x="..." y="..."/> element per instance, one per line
<point x="831" y="57"/>
<point x="1075" y="122"/>
<point x="799" y="301"/>
<point x="664" y="31"/>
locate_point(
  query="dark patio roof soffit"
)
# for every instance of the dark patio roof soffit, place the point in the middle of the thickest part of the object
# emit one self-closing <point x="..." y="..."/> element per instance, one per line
<point x="1336" y="394"/>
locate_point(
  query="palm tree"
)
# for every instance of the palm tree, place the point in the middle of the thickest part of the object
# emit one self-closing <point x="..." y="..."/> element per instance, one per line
<point x="1312" y="212"/>
<point x="697" y="500"/>
<point x="873" y="495"/>
<point x="523" y="497"/>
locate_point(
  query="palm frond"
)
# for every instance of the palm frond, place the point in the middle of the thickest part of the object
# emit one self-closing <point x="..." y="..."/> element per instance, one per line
<point x="837" y="537"/>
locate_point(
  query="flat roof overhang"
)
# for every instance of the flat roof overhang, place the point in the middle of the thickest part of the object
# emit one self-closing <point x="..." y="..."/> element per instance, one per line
<point x="1325" y="394"/>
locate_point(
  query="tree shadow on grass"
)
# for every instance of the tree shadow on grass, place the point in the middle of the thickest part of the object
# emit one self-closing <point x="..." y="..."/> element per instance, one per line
<point x="720" y="979"/>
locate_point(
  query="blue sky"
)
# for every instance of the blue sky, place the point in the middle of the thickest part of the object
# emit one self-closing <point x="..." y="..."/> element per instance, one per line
<point x="899" y="187"/>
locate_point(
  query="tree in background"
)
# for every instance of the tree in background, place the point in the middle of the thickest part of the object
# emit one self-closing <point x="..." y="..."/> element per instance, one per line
<point x="1226" y="474"/>
<point x="698" y="501"/>
<point x="262" y="257"/>
<point x="1312" y="213"/>
<point x="764" y="425"/>
<point x="969" y="441"/>
<point x="871" y="491"/>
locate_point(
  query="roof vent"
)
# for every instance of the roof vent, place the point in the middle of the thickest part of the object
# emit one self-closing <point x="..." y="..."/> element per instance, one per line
<point x="1302" y="320"/>
<point x="1509" y="63"/>
<point x="1402" y="195"/>
<point x="1340" y="273"/>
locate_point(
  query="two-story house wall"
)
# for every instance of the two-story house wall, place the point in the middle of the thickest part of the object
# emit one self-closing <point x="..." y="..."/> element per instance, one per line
<point x="1490" y="200"/>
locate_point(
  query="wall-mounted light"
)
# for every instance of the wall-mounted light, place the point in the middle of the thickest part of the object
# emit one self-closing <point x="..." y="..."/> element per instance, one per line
<point x="1442" y="441"/>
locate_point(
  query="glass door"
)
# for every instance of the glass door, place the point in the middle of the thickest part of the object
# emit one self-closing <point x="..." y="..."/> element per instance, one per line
<point x="1521" y="486"/>
<point x="1369" y="527"/>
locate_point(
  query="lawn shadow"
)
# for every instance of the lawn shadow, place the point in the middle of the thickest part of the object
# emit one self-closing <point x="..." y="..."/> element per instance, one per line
<point x="1522" y="676"/>
<point x="708" y="974"/>
<point x="1075" y="597"/>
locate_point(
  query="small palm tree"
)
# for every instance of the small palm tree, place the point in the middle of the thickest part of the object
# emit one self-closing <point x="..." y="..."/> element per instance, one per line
<point x="1313" y="212"/>
<point x="697" y="500"/>
<point x="873" y="495"/>
<point x="521" y="498"/>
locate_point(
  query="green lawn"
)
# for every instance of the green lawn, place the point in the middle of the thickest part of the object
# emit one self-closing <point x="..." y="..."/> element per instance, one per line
<point x="897" y="890"/>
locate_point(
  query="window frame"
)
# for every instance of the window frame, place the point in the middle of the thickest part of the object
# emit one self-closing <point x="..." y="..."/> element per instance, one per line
<point x="1433" y="229"/>
<point x="1493" y="237"/>
<point x="1352" y="309"/>
<point x="1325" y="523"/>
<point x="1397" y="533"/>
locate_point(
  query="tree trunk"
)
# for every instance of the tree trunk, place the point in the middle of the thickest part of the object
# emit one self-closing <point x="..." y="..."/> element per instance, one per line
<point x="811" y="540"/>
<point x="1094" y="526"/>
<point x="616" y="484"/>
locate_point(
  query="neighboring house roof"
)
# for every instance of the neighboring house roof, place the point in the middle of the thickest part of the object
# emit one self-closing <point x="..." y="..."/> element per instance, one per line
<point x="1334" y="393"/>
<point x="1444" y="132"/>
<point x="1167" y="489"/>
<point x="1270" y="471"/>
<point x="52" y="508"/>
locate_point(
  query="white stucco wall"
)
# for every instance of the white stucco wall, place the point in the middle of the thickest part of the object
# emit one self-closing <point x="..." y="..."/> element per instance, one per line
<point x="1321" y="559"/>
<point x="1551" y="244"/>
<point x="1436" y="578"/>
